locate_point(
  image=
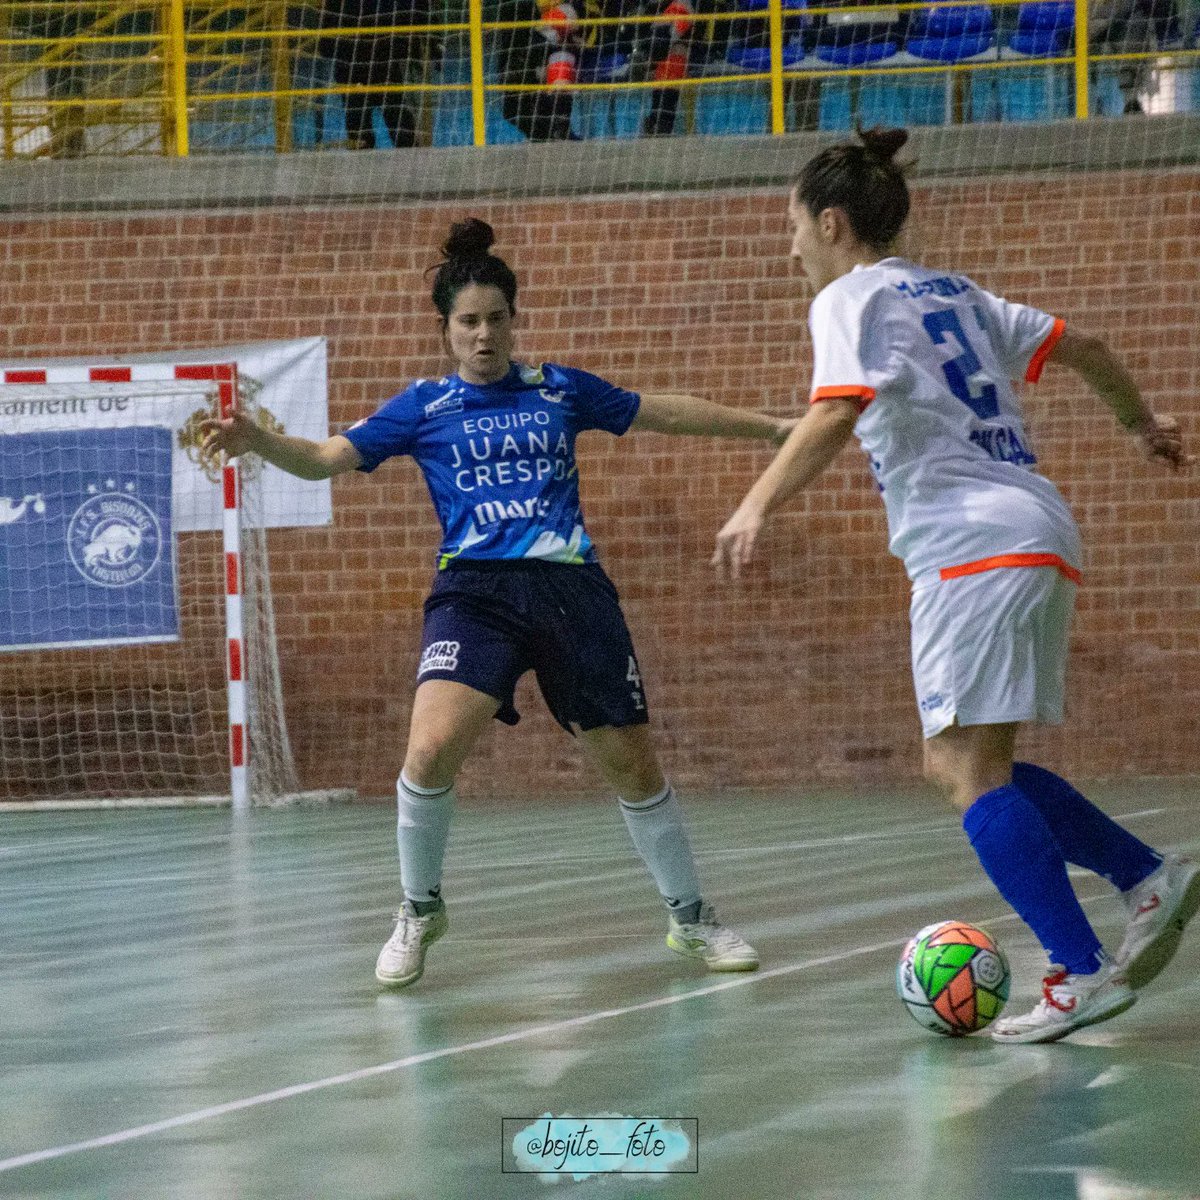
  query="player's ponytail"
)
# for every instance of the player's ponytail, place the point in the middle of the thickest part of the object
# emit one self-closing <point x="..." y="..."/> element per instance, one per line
<point x="863" y="180"/>
<point x="467" y="258"/>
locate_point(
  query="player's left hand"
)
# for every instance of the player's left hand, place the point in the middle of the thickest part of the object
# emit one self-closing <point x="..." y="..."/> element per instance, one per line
<point x="1162" y="439"/>
<point x="232" y="435"/>
<point x="736" y="541"/>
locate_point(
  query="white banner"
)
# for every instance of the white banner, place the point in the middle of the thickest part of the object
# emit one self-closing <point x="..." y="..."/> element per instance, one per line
<point x="286" y="381"/>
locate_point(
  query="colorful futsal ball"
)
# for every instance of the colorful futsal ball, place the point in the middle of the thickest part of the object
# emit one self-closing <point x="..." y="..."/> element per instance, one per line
<point x="953" y="978"/>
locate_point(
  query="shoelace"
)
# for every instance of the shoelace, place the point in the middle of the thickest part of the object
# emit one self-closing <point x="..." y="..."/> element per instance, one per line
<point x="405" y="929"/>
<point x="708" y="927"/>
<point x="1053" y="980"/>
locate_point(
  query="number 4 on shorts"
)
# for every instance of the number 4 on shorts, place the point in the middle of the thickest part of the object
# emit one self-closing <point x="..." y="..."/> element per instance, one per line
<point x="634" y="676"/>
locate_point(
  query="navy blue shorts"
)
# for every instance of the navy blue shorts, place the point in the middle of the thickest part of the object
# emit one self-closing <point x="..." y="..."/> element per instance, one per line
<point x="486" y="624"/>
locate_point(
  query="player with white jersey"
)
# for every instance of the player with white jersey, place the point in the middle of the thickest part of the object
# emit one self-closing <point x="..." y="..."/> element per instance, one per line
<point x="518" y="586"/>
<point x="918" y="364"/>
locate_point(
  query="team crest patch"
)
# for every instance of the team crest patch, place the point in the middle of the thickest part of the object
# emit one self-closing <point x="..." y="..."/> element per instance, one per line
<point x="439" y="656"/>
<point x="114" y="539"/>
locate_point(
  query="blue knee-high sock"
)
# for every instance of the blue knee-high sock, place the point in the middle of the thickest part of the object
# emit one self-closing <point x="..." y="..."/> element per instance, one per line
<point x="1019" y="853"/>
<point x="1086" y="836"/>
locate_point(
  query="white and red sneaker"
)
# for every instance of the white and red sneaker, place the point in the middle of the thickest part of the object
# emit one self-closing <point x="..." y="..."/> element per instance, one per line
<point x="1159" y="907"/>
<point x="1069" y="1002"/>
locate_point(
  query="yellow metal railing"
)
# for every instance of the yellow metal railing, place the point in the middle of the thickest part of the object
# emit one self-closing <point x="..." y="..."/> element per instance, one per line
<point x="152" y="74"/>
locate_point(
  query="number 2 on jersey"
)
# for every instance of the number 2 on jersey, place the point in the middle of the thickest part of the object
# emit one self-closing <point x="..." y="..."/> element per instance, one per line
<point x="980" y="398"/>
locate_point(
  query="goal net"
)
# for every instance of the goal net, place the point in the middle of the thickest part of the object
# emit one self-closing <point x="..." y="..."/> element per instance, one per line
<point x="137" y="646"/>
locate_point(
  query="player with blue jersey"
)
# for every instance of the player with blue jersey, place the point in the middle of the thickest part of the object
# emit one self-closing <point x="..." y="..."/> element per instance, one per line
<point x="518" y="586"/>
<point x="499" y="458"/>
<point x="917" y="363"/>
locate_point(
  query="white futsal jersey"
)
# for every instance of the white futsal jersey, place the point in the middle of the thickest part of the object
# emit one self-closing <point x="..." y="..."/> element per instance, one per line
<point x="929" y="357"/>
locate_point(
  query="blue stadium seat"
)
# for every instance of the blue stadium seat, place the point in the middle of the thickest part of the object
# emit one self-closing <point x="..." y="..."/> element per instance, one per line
<point x="859" y="40"/>
<point x="856" y="54"/>
<point x="751" y="53"/>
<point x="757" y="59"/>
<point x="951" y="34"/>
<point x="1044" y="28"/>
<point x="945" y="35"/>
<point x="745" y="108"/>
<point x="854" y="39"/>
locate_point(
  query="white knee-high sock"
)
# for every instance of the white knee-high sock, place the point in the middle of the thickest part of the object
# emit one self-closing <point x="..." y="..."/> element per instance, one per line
<point x="422" y="829"/>
<point x="660" y="837"/>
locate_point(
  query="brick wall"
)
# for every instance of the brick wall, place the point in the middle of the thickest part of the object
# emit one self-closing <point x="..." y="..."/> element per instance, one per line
<point x="800" y="673"/>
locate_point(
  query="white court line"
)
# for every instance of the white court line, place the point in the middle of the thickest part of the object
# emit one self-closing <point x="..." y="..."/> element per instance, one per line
<point x="399" y="1064"/>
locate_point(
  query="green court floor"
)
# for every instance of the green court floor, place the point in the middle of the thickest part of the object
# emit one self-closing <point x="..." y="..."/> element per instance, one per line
<point x="189" y="1011"/>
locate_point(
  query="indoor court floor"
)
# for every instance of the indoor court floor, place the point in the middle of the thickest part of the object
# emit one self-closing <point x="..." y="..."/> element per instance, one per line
<point x="189" y="1011"/>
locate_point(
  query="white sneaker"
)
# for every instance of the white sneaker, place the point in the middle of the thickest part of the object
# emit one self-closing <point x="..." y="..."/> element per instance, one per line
<point x="1159" y="907"/>
<point x="402" y="959"/>
<point x="707" y="938"/>
<point x="1070" y="1002"/>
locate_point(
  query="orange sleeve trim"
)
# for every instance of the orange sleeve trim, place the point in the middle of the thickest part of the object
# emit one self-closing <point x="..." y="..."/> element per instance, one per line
<point x="1038" y="361"/>
<point x="1013" y="560"/>
<point x="862" y="396"/>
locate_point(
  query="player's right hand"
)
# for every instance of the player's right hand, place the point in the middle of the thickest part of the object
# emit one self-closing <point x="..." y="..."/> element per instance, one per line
<point x="1161" y="439"/>
<point x="735" y="542"/>
<point x="230" y="436"/>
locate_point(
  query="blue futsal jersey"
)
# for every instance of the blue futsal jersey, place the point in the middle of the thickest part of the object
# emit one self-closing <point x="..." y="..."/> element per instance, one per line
<point x="499" y="458"/>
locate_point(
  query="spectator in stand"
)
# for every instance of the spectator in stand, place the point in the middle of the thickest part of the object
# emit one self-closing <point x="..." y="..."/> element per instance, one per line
<point x="546" y="53"/>
<point x="1133" y="27"/>
<point x="66" y="75"/>
<point x="671" y="43"/>
<point x="552" y="52"/>
<point x="375" y="60"/>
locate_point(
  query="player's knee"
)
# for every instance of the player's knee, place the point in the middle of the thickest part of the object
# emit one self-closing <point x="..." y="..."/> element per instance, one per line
<point x="632" y="766"/>
<point x="640" y="782"/>
<point x="936" y="773"/>
<point x="431" y="761"/>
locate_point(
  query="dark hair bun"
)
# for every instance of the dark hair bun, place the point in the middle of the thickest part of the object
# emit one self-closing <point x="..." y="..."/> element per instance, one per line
<point x="471" y="238"/>
<point x="882" y="143"/>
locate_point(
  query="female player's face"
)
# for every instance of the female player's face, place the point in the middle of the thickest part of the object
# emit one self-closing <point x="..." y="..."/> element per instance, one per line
<point x="808" y="246"/>
<point x="480" y="333"/>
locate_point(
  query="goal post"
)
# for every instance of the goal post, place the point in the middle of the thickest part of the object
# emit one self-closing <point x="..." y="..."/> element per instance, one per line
<point x="138" y="656"/>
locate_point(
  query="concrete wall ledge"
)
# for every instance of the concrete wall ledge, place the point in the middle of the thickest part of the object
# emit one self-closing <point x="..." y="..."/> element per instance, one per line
<point x="322" y="178"/>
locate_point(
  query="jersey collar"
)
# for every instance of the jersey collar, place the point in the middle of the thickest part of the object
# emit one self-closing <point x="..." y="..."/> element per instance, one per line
<point x="517" y="377"/>
<point x="892" y="260"/>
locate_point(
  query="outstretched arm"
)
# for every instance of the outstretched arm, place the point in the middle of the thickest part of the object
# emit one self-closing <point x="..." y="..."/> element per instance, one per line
<point x="811" y="447"/>
<point x="669" y="412"/>
<point x="1105" y="374"/>
<point x="238" y="435"/>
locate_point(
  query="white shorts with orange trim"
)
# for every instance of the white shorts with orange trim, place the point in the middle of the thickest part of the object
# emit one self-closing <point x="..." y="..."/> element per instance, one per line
<point x="989" y="648"/>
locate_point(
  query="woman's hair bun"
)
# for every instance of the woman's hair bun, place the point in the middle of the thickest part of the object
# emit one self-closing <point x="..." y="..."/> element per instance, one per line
<point x="471" y="238"/>
<point x="882" y="143"/>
